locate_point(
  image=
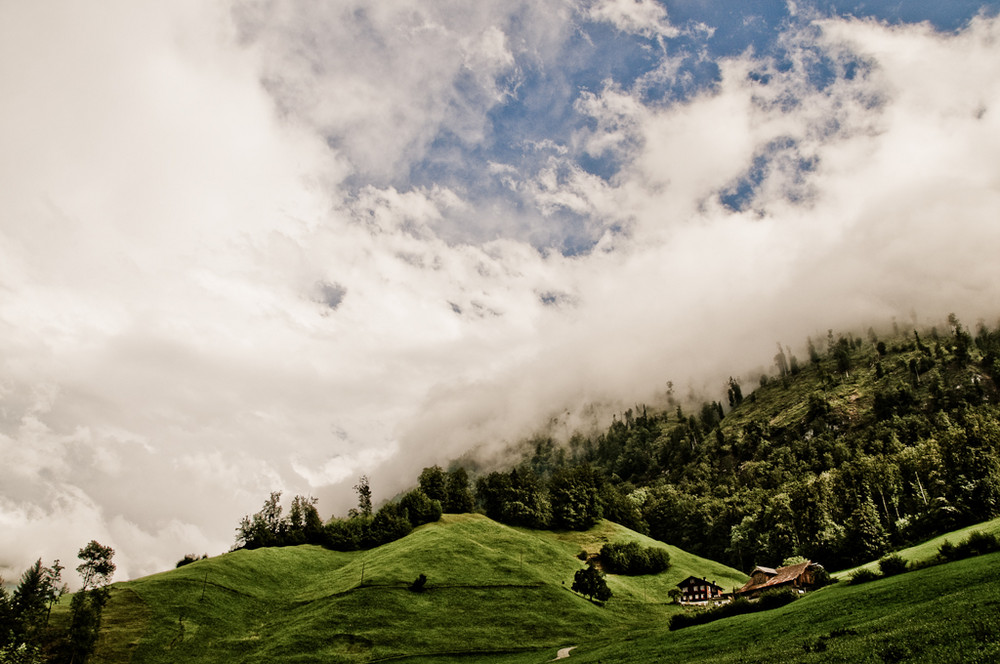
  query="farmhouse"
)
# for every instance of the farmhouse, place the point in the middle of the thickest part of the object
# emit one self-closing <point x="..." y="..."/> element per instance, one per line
<point x="800" y="577"/>
<point x="694" y="589"/>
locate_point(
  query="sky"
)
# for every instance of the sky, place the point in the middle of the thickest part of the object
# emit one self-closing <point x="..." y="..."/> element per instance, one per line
<point x="271" y="245"/>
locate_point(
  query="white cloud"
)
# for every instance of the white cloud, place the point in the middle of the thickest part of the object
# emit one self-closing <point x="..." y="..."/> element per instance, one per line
<point x="641" y="17"/>
<point x="196" y="308"/>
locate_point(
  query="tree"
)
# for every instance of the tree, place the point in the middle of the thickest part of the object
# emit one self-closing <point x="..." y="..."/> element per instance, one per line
<point x="389" y="524"/>
<point x="54" y="587"/>
<point x="842" y="354"/>
<point x="364" y="491"/>
<point x="735" y="393"/>
<point x="28" y="604"/>
<point x="866" y="537"/>
<point x="6" y="615"/>
<point x="590" y="583"/>
<point x="459" y="499"/>
<point x="575" y="500"/>
<point x="419" y="508"/>
<point x="265" y="528"/>
<point x="304" y="524"/>
<point x="96" y="570"/>
<point x="433" y="484"/>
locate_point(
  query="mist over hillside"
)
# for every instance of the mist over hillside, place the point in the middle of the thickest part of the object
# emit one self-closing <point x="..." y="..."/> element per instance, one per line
<point x="252" y="247"/>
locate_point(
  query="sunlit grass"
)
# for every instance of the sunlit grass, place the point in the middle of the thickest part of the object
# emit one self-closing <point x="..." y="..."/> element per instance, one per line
<point x="492" y="592"/>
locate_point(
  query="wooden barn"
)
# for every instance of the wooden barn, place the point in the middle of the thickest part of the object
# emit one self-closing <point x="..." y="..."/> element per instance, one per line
<point x="694" y="590"/>
<point x="801" y="577"/>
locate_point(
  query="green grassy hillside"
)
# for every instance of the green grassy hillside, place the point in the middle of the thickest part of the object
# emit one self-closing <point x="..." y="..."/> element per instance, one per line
<point x="945" y="613"/>
<point x="491" y="591"/>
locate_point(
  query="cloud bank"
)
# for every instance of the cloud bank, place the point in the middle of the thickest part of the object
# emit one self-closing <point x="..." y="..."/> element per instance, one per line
<point x="271" y="246"/>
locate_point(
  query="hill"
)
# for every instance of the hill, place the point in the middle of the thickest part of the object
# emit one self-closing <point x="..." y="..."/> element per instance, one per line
<point x="945" y="613"/>
<point x="869" y="444"/>
<point x="492" y="591"/>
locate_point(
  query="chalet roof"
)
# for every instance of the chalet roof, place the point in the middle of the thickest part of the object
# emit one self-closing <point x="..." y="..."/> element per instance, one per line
<point x="781" y="576"/>
<point x="770" y="571"/>
<point x="699" y="581"/>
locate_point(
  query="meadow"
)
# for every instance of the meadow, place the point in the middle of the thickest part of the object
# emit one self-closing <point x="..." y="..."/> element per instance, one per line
<point x="500" y="594"/>
<point x="492" y="591"/>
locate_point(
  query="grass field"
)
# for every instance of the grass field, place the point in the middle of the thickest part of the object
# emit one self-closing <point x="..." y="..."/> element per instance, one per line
<point x="945" y="613"/>
<point x="492" y="592"/>
<point x="500" y="595"/>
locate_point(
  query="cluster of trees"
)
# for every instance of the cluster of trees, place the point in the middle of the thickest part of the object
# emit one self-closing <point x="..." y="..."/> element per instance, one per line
<point x="364" y="527"/>
<point x="26" y="635"/>
<point x="571" y="497"/>
<point x="633" y="559"/>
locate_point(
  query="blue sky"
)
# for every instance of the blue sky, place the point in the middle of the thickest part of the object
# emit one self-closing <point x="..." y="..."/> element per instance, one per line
<point x="542" y="103"/>
<point x="251" y="246"/>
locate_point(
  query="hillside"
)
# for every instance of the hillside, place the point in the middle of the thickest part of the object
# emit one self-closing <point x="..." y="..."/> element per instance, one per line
<point x="945" y="613"/>
<point x="867" y="444"/>
<point x="491" y="590"/>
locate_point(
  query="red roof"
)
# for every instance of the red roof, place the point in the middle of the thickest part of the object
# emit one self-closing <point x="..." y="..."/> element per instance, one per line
<point x="780" y="577"/>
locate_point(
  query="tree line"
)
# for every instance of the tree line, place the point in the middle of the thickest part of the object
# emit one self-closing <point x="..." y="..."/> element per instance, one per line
<point x="364" y="527"/>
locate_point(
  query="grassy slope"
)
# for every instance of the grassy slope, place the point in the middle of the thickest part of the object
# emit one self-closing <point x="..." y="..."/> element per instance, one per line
<point x="492" y="590"/>
<point x="946" y="613"/>
<point x="926" y="551"/>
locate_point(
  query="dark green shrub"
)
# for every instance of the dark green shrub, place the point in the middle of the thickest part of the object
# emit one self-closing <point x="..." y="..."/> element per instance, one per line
<point x="864" y="575"/>
<point x="977" y="544"/>
<point x="738" y="606"/>
<point x="821" y="577"/>
<point x="418" y="584"/>
<point x="347" y="534"/>
<point x="390" y="523"/>
<point x="778" y="597"/>
<point x="633" y="559"/>
<point x="420" y="509"/>
<point x="946" y="551"/>
<point x="190" y="558"/>
<point x="892" y="564"/>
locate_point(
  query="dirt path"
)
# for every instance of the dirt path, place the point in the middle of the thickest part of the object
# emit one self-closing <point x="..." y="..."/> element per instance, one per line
<point x="562" y="654"/>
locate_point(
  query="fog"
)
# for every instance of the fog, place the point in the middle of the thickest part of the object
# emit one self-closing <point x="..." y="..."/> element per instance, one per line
<point x="268" y="246"/>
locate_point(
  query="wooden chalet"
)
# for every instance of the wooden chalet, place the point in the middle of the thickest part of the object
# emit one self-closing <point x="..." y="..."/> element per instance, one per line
<point x="694" y="589"/>
<point x="801" y="577"/>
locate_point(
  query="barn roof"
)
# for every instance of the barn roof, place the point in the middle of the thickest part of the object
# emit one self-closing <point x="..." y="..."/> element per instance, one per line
<point x="781" y="576"/>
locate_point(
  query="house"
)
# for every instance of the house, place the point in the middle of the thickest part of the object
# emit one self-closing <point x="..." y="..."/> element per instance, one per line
<point x="694" y="589"/>
<point x="801" y="577"/>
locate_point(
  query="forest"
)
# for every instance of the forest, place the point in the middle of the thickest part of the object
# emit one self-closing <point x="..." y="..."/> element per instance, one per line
<point x="867" y="445"/>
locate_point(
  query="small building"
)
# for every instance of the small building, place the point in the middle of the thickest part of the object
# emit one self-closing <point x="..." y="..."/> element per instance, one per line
<point x="694" y="590"/>
<point x="800" y="577"/>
